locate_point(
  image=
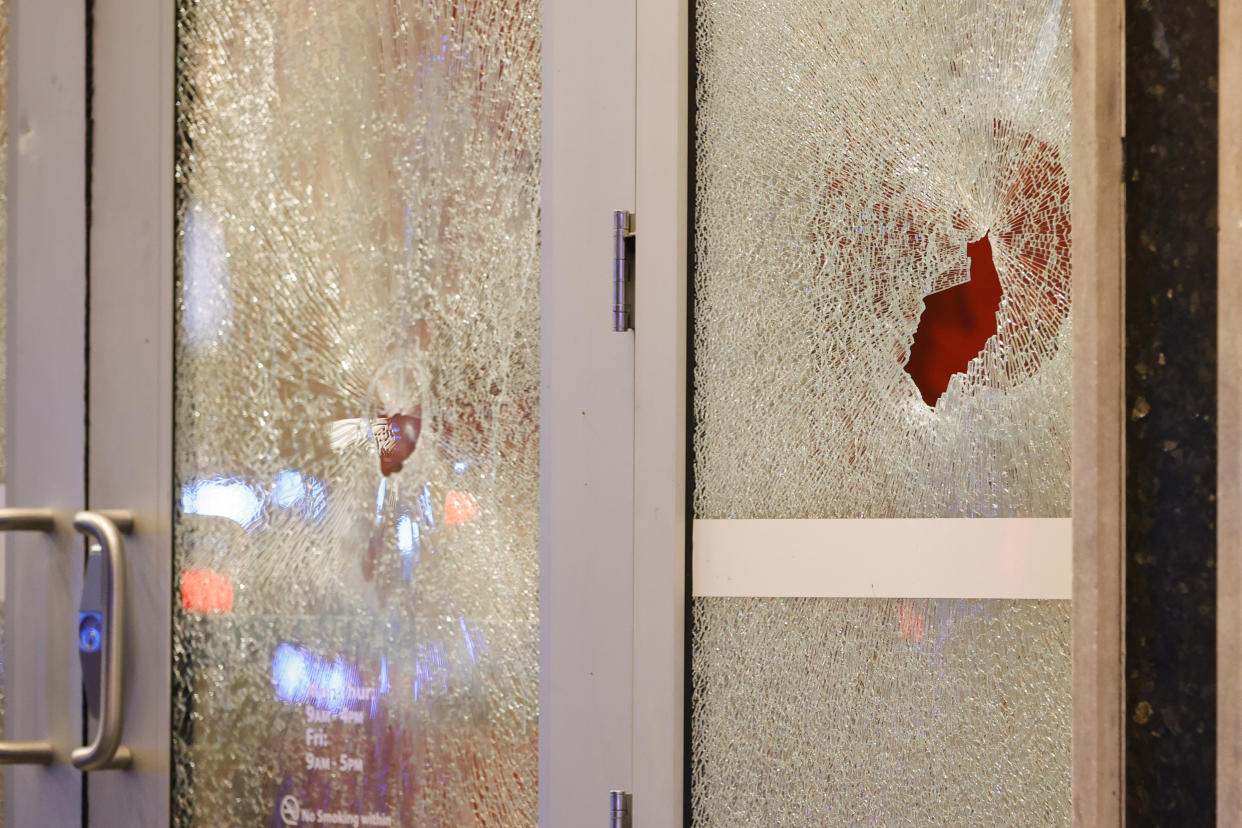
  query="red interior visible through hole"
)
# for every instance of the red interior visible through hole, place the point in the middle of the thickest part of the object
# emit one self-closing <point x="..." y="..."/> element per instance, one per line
<point x="955" y="325"/>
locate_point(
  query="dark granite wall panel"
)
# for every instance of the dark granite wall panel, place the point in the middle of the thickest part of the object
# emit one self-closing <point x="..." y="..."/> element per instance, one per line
<point x="1171" y="142"/>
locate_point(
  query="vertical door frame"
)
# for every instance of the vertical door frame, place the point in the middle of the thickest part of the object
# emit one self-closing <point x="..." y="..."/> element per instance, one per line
<point x="586" y="414"/>
<point x="131" y="374"/>
<point x="1229" y="425"/>
<point x="661" y="399"/>
<point x="46" y="380"/>
<point x="1099" y="414"/>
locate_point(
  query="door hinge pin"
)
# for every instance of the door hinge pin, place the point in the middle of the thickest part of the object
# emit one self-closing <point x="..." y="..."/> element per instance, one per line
<point x="622" y="803"/>
<point x="622" y="270"/>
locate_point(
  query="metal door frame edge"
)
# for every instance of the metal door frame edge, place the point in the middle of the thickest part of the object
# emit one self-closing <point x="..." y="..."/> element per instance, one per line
<point x="46" y="273"/>
<point x="1229" y="424"/>
<point x="586" y="414"/>
<point x="131" y="373"/>
<point x="660" y="344"/>
<point x="1099" y="414"/>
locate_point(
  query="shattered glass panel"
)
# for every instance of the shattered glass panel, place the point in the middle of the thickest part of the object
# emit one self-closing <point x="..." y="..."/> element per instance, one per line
<point x="848" y="155"/>
<point x="882" y="329"/>
<point x="356" y="640"/>
<point x="888" y="712"/>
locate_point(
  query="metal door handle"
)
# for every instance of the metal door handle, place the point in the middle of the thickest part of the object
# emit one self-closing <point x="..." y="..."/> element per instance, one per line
<point x="105" y="750"/>
<point x="26" y="520"/>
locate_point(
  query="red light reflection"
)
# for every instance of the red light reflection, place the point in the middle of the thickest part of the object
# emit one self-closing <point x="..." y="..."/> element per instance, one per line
<point x="459" y="507"/>
<point x="203" y="590"/>
<point x="911" y="619"/>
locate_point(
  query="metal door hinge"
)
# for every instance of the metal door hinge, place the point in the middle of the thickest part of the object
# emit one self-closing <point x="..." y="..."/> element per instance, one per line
<point x="622" y="803"/>
<point x="622" y="270"/>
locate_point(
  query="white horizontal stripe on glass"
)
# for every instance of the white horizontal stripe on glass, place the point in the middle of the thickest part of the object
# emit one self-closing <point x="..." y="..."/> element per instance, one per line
<point x="901" y="558"/>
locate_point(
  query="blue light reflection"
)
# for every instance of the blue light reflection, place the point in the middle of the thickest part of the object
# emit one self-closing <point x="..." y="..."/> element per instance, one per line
<point x="287" y="489"/>
<point x="245" y="503"/>
<point x="332" y="684"/>
<point x="291" y="673"/>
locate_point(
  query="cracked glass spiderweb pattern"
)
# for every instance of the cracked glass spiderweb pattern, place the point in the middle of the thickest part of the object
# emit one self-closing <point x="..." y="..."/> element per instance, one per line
<point x="356" y="538"/>
<point x="847" y="154"/>
<point x="811" y="711"/>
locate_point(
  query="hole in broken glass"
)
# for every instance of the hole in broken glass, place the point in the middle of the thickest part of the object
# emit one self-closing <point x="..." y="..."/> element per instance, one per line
<point x="955" y="325"/>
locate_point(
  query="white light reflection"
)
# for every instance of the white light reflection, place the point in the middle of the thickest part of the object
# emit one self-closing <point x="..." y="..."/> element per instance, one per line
<point x="408" y="544"/>
<point x="206" y="292"/>
<point x="223" y="497"/>
<point x="293" y="490"/>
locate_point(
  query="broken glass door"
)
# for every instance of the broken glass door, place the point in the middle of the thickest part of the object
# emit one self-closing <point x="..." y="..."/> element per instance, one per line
<point x="356" y="405"/>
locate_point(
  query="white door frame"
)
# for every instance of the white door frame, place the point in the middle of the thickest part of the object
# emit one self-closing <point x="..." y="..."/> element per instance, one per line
<point x="46" y="398"/>
<point x="660" y="362"/>
<point x="586" y="429"/>
<point x="661" y="517"/>
<point x="587" y="390"/>
<point x="130" y="370"/>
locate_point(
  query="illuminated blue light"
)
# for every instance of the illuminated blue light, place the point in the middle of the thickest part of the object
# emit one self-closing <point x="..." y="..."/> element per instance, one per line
<point x="293" y="490"/>
<point x="287" y="489"/>
<point x="299" y="677"/>
<point x="222" y="497"/>
<point x="379" y="496"/>
<point x="90" y="632"/>
<point x="336" y="686"/>
<point x="291" y="674"/>
<point x="383" y="686"/>
<point x="465" y="633"/>
<point x="424" y="507"/>
<point x="429" y="667"/>
<point x="316" y="497"/>
<point x="460" y="467"/>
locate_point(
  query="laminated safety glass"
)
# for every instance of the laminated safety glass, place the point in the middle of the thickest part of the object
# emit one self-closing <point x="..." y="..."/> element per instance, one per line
<point x="882" y="334"/>
<point x="357" y="398"/>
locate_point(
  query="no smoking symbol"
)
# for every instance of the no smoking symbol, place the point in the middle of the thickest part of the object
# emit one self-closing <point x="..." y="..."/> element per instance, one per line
<point x="290" y="810"/>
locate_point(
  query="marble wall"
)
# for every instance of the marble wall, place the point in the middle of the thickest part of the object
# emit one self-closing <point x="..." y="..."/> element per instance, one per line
<point x="1171" y="361"/>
